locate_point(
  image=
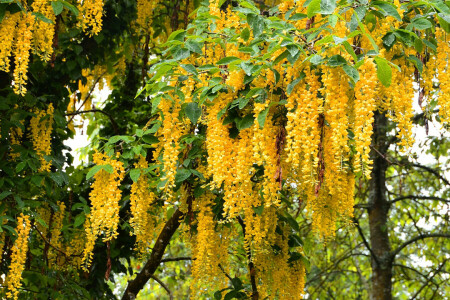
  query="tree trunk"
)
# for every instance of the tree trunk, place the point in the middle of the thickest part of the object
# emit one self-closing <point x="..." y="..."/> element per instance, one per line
<point x="135" y="285"/>
<point x="378" y="215"/>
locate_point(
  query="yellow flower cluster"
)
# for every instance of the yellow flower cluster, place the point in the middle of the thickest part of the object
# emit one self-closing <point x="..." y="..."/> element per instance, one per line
<point x="18" y="257"/>
<point x="7" y="33"/>
<point x="277" y="277"/>
<point x="41" y="130"/>
<point x="90" y="17"/>
<point x="265" y="153"/>
<point x="443" y="74"/>
<point x="303" y="133"/>
<point x="22" y="48"/>
<point x="336" y="102"/>
<point x="43" y="32"/>
<point x="104" y="197"/>
<point x="210" y="251"/>
<point x="141" y="199"/>
<point x="172" y="130"/>
<point x="145" y="9"/>
<point x="55" y="240"/>
<point x="400" y="93"/>
<point x="364" y="106"/>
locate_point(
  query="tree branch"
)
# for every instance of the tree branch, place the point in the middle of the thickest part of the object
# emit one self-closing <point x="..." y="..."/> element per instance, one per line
<point x="176" y="259"/>
<point x="432" y="171"/>
<point x="429" y="279"/>
<point x="418" y="238"/>
<point x="409" y="197"/>
<point x="135" y="285"/>
<point x="163" y="285"/>
<point x="113" y="122"/>
<point x="365" y="241"/>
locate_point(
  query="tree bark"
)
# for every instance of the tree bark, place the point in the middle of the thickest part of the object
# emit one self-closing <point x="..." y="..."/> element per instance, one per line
<point x="134" y="286"/>
<point x="378" y="215"/>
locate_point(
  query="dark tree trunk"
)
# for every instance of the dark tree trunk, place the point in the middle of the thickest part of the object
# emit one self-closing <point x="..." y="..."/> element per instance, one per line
<point x="378" y="215"/>
<point x="135" y="285"/>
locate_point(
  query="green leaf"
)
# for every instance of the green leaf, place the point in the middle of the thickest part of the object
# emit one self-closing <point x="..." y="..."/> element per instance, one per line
<point x="70" y="7"/>
<point x="387" y="8"/>
<point x="193" y="112"/>
<point x="42" y="17"/>
<point x="336" y="60"/>
<point x="135" y="174"/>
<point x="227" y="60"/>
<point x="327" y="7"/>
<point x="108" y="168"/>
<point x="249" y="5"/>
<point x="421" y="24"/>
<point x="194" y="46"/>
<point x="351" y="72"/>
<point x="262" y="117"/>
<point x="182" y="175"/>
<point x="190" y="68"/>
<point x="57" y="7"/>
<point x="292" y="85"/>
<point x="350" y="50"/>
<point x="4" y="194"/>
<point x="245" y="122"/>
<point x="20" y="166"/>
<point x="389" y="40"/>
<point x="313" y="8"/>
<point x="384" y="71"/>
<point x="316" y="59"/>
<point x="247" y="67"/>
<point x="258" y="210"/>
<point x="181" y="54"/>
<point x="245" y="34"/>
<point x="417" y="62"/>
<point x="177" y="35"/>
<point x="150" y="139"/>
<point x="79" y="219"/>
<point x="243" y="102"/>
<point x="256" y="22"/>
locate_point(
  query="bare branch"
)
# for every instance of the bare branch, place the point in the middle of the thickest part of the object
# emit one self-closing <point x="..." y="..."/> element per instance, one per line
<point x="176" y="259"/>
<point x="163" y="285"/>
<point x="113" y="122"/>
<point x="409" y="197"/>
<point x="432" y="171"/>
<point x="418" y="238"/>
<point x="365" y="241"/>
<point x="429" y="279"/>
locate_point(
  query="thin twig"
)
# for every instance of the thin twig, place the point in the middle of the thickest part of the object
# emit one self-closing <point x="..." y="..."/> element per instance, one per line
<point x="176" y="259"/>
<point x="113" y="122"/>
<point x="163" y="285"/>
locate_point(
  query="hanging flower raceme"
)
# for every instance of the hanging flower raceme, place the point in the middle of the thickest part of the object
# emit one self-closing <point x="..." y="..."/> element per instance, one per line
<point x="43" y="32"/>
<point x="7" y="33"/>
<point x="104" y="197"/>
<point x="90" y="16"/>
<point x="443" y="74"/>
<point x="364" y="106"/>
<point x="18" y="257"/>
<point x="22" y="48"/>
<point x="141" y="199"/>
<point x="210" y="251"/>
<point x="41" y="130"/>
